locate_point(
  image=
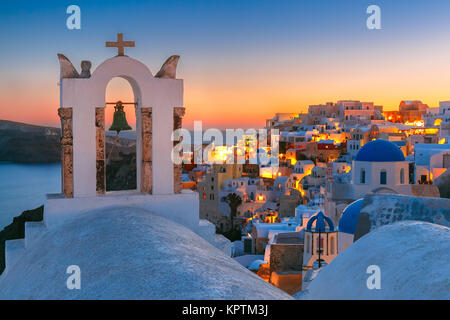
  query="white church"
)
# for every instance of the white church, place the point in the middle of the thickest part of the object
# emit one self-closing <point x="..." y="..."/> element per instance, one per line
<point x="378" y="168"/>
<point x="143" y="244"/>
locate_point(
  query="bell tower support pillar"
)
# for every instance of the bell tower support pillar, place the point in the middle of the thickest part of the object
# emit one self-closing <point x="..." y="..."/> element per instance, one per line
<point x="147" y="169"/>
<point x="65" y="115"/>
<point x="178" y="113"/>
<point x="100" y="150"/>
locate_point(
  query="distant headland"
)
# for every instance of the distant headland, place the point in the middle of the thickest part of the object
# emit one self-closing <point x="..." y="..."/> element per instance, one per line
<point x="26" y="143"/>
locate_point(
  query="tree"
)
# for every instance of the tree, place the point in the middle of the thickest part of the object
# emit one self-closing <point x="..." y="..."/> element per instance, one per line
<point x="234" y="201"/>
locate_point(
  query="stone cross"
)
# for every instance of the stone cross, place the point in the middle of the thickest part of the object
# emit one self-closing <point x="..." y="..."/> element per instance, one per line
<point x="120" y="44"/>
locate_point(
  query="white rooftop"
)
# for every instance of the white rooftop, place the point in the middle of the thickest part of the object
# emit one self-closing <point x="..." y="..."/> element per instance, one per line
<point x="129" y="253"/>
<point x="413" y="260"/>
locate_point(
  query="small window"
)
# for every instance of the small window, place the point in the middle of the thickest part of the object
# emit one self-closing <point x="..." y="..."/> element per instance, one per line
<point x="402" y="176"/>
<point x="383" y="177"/>
<point x="362" y="178"/>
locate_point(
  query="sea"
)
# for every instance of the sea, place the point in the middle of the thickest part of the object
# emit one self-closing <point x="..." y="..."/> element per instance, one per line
<point x="24" y="187"/>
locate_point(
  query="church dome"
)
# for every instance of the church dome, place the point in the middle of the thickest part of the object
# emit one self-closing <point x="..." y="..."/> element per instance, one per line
<point x="350" y="216"/>
<point x="380" y="151"/>
<point x="129" y="253"/>
<point x="320" y="220"/>
<point x="403" y="252"/>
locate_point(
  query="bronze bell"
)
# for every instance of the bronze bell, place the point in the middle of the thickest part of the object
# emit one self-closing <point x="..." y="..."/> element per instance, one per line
<point x="119" y="119"/>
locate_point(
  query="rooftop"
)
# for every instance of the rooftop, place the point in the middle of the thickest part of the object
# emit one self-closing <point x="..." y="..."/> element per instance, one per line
<point x="129" y="253"/>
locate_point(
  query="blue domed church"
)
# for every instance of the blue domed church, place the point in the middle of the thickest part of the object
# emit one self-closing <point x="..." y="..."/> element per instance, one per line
<point x="347" y="224"/>
<point x="380" y="166"/>
<point x="321" y="240"/>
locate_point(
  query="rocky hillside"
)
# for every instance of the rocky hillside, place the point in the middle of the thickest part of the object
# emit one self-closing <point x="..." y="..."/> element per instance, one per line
<point x="26" y="143"/>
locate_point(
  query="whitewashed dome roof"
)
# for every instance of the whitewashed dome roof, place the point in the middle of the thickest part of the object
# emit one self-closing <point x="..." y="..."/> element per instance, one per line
<point x="413" y="260"/>
<point x="129" y="253"/>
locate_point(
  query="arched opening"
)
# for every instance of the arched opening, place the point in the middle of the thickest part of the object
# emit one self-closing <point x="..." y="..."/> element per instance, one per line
<point x="332" y="245"/>
<point x="121" y="163"/>
<point x="384" y="190"/>
<point x="363" y="176"/>
<point x="402" y="176"/>
<point x="383" y="176"/>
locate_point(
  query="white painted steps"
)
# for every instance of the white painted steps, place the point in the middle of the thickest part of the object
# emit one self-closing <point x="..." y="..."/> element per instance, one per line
<point x="33" y="231"/>
<point x="207" y="231"/>
<point x="14" y="249"/>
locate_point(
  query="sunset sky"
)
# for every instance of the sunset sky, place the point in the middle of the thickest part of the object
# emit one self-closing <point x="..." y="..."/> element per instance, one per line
<point x="241" y="61"/>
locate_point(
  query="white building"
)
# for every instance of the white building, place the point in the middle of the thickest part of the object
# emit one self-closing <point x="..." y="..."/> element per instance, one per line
<point x="380" y="165"/>
<point x="444" y="111"/>
<point x="303" y="213"/>
<point x="431" y="160"/>
<point x="301" y="169"/>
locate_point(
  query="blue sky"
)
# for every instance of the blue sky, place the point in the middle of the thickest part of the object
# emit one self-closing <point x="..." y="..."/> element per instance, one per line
<point x="238" y="45"/>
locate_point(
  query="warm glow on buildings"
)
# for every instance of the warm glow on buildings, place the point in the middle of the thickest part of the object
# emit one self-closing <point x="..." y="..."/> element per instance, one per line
<point x="271" y="218"/>
<point x="420" y="131"/>
<point x="220" y="154"/>
<point x="417" y="123"/>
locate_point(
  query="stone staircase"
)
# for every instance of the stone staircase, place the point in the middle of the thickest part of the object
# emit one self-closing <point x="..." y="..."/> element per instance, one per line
<point x="207" y="231"/>
<point x="33" y="231"/>
<point x="14" y="249"/>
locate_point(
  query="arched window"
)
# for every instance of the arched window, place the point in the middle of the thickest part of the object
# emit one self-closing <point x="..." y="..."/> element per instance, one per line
<point x="402" y="176"/>
<point x="362" y="177"/>
<point x="331" y="245"/>
<point x="383" y="176"/>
